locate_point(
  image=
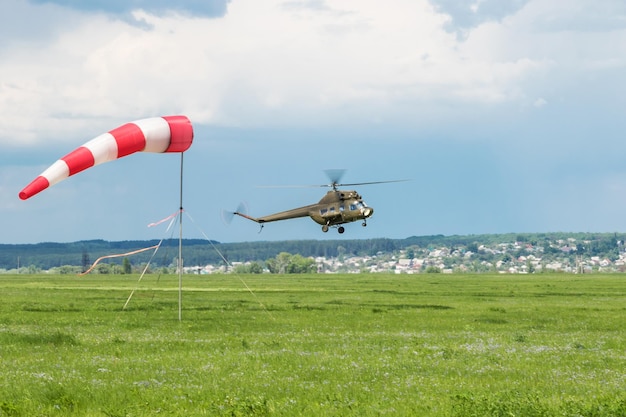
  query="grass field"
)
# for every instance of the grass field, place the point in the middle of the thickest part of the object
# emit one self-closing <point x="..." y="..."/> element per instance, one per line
<point x="314" y="345"/>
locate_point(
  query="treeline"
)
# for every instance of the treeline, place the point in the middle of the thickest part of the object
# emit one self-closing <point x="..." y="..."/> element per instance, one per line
<point x="47" y="255"/>
<point x="536" y="239"/>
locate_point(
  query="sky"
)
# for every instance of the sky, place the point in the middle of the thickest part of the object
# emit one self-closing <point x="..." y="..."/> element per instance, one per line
<point x="507" y="116"/>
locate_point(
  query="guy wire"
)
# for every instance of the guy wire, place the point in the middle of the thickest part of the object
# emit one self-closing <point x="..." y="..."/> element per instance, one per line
<point x="227" y="262"/>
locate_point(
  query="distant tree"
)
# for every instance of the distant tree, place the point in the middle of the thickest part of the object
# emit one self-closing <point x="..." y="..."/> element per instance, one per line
<point x="126" y="268"/>
<point x="286" y="263"/>
<point x="67" y="269"/>
<point x="86" y="262"/>
<point x="256" y="268"/>
<point x="341" y="253"/>
<point x="251" y="268"/>
<point x="301" y="265"/>
<point x="103" y="268"/>
<point x="278" y="265"/>
<point x="450" y="262"/>
<point x="472" y="247"/>
<point x="240" y="269"/>
<point x="549" y="250"/>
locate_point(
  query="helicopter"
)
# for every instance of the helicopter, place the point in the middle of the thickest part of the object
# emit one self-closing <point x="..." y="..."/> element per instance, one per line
<point x="336" y="208"/>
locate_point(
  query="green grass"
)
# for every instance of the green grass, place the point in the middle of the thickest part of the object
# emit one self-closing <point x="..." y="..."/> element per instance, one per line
<point x="314" y="345"/>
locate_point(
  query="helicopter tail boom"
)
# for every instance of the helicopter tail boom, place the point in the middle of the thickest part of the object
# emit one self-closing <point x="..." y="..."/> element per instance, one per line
<point x="283" y="215"/>
<point x="245" y="216"/>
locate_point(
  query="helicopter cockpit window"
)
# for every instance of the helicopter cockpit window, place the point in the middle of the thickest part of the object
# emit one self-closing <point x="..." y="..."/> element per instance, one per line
<point x="342" y="208"/>
<point x="352" y="207"/>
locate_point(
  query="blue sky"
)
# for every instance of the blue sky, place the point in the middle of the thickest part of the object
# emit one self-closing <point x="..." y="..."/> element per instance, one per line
<point x="507" y="116"/>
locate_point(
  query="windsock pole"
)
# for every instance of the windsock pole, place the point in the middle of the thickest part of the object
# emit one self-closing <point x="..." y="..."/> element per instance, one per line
<point x="180" y="245"/>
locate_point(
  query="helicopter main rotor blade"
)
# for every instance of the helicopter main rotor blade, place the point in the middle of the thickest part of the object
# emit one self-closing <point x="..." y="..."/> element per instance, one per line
<point x="294" y="186"/>
<point x="333" y="185"/>
<point x="368" y="183"/>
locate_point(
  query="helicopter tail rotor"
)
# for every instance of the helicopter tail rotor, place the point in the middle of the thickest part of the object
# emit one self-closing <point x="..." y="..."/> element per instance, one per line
<point x="227" y="216"/>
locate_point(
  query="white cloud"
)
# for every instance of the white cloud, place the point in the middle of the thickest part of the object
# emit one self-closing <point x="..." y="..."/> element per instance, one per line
<point x="279" y="63"/>
<point x="122" y="7"/>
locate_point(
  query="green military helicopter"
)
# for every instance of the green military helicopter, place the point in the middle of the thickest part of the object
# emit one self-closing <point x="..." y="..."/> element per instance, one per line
<point x="336" y="208"/>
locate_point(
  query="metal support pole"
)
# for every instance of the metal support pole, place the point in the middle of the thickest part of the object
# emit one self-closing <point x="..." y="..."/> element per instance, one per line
<point x="180" y="245"/>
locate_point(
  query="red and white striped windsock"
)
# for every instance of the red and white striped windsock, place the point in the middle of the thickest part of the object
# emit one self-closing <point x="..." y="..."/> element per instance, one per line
<point x="156" y="134"/>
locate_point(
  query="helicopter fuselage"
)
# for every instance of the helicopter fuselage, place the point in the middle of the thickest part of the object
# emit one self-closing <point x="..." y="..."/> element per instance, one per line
<point x="339" y="207"/>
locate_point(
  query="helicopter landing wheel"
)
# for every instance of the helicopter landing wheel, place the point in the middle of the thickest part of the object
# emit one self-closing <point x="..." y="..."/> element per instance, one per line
<point x="325" y="228"/>
<point x="364" y="224"/>
<point x="341" y="229"/>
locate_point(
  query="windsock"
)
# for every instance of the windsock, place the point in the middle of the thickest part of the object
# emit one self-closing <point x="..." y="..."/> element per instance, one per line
<point x="155" y="134"/>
